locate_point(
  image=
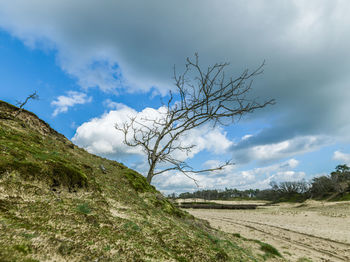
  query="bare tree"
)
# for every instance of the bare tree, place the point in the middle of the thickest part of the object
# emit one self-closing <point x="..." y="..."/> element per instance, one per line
<point x="201" y="97"/>
<point x="20" y="104"/>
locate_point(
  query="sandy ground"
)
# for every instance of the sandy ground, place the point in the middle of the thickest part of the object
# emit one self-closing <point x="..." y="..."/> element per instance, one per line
<point x="318" y="231"/>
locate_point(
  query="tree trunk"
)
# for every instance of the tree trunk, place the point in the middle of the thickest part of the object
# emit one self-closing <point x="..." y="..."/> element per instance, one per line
<point x="150" y="173"/>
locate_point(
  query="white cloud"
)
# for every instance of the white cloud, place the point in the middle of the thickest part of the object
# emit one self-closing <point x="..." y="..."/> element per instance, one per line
<point x="99" y="135"/>
<point x="73" y="98"/>
<point x="122" y="45"/>
<point x="244" y="153"/>
<point x="116" y="44"/>
<point x="246" y="137"/>
<point x="340" y="156"/>
<point x="231" y="178"/>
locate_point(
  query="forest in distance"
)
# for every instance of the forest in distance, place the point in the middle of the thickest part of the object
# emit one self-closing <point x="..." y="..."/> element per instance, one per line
<point x="335" y="186"/>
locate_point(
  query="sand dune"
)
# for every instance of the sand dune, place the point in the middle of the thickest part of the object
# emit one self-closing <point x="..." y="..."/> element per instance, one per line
<point x="315" y="230"/>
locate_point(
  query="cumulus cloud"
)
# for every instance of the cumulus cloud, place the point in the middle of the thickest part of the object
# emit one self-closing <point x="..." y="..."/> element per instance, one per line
<point x="342" y="157"/>
<point x="248" y="149"/>
<point x="123" y="45"/>
<point x="99" y="135"/>
<point x="73" y="98"/>
<point x="232" y="178"/>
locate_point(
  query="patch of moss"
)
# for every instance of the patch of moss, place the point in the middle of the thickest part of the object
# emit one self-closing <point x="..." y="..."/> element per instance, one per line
<point x="25" y="168"/>
<point x="5" y="205"/>
<point x="23" y="248"/>
<point x="57" y="173"/>
<point x="6" y="116"/>
<point x="69" y="176"/>
<point x="65" y="248"/>
<point x="48" y="156"/>
<point x="131" y="226"/>
<point x="137" y="181"/>
<point x="29" y="236"/>
<point x="166" y="206"/>
<point x="17" y="154"/>
<point x="172" y="210"/>
<point x="84" y="208"/>
<point x="269" y="250"/>
<point x="221" y="256"/>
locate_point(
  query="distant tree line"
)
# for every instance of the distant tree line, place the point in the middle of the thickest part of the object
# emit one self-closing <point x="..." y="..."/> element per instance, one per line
<point x="333" y="186"/>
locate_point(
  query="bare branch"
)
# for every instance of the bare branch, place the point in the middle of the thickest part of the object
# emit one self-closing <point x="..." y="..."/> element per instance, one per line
<point x="20" y="104"/>
<point x="204" y="96"/>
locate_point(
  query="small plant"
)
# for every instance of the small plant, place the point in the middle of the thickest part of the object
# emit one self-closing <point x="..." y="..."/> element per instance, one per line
<point x="29" y="236"/>
<point x="269" y="250"/>
<point x="84" y="208"/>
<point x="21" y="104"/>
<point x="107" y="248"/>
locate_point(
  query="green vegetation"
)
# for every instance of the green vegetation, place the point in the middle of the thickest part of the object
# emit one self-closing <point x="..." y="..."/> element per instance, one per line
<point x="84" y="208"/>
<point x="269" y="250"/>
<point x="57" y="202"/>
<point x="335" y="187"/>
<point x="138" y="182"/>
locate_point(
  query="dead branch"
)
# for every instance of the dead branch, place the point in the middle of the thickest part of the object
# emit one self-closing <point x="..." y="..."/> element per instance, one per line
<point x="20" y="104"/>
<point x="208" y="96"/>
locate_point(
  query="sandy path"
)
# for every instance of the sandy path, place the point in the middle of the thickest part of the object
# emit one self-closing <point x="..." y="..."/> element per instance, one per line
<point x="320" y="232"/>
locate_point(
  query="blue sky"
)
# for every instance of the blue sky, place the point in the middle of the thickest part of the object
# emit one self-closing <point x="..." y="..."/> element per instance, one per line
<point x="93" y="63"/>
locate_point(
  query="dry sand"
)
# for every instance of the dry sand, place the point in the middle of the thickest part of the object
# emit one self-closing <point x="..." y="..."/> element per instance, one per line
<point x="318" y="231"/>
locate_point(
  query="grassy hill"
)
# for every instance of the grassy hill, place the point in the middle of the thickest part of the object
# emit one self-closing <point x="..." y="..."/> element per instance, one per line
<point x="60" y="203"/>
